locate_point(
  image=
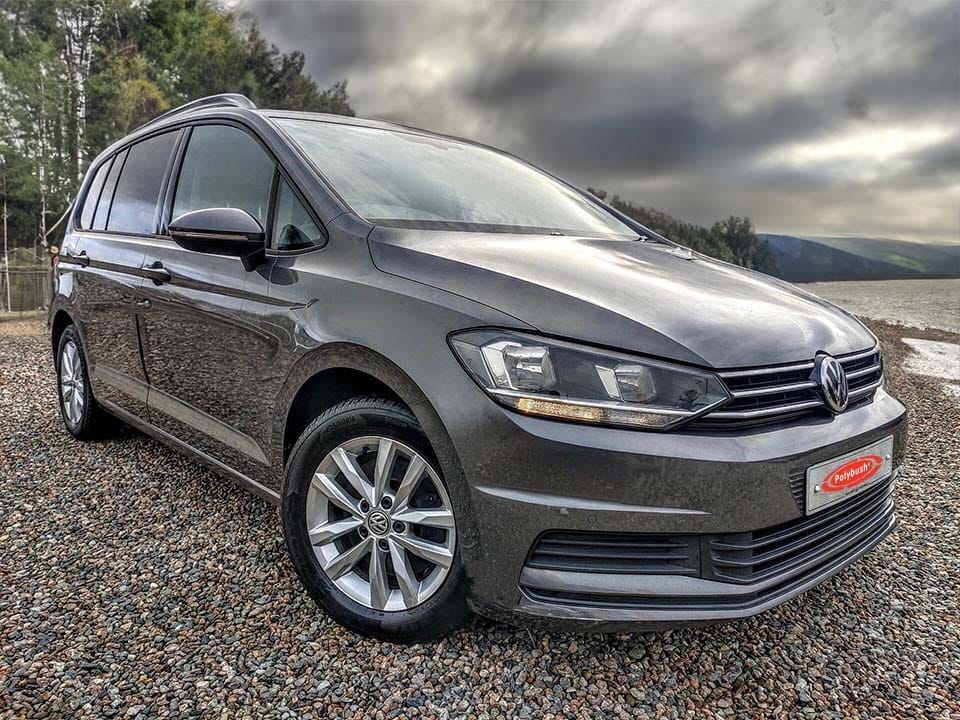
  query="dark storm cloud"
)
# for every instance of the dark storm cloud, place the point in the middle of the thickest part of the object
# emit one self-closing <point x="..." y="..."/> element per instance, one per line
<point x="701" y="109"/>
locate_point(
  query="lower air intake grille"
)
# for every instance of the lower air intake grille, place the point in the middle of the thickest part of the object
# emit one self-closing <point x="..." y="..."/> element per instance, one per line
<point x="756" y="556"/>
<point x="768" y="563"/>
<point x="616" y="553"/>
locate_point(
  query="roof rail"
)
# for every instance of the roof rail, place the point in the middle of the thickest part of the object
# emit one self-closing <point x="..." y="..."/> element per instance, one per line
<point x="222" y="100"/>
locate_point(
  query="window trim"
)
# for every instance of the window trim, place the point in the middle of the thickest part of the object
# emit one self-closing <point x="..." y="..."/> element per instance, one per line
<point x="168" y="187"/>
<point x="177" y="132"/>
<point x="123" y="150"/>
<point x="107" y="164"/>
<point x="281" y="175"/>
<point x="278" y="169"/>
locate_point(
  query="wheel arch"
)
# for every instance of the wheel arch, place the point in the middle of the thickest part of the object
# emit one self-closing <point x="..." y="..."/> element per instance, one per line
<point x="310" y="385"/>
<point x="60" y="319"/>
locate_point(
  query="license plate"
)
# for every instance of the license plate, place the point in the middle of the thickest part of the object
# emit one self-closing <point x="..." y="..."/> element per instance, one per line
<point x="837" y="479"/>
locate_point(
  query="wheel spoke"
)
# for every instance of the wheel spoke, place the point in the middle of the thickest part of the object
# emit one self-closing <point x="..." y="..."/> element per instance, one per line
<point x="432" y="552"/>
<point x="345" y="561"/>
<point x="69" y="353"/>
<point x="326" y="486"/>
<point x="409" y="483"/>
<point x="431" y="517"/>
<point x="330" y="531"/>
<point x="353" y="473"/>
<point x="386" y="453"/>
<point x="379" y="589"/>
<point x="409" y="585"/>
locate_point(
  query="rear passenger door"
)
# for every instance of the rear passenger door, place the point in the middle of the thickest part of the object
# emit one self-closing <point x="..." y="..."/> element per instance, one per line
<point x="118" y="219"/>
<point x="202" y="340"/>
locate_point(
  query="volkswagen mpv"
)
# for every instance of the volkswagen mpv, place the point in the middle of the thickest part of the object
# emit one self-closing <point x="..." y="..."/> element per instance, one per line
<point x="466" y="383"/>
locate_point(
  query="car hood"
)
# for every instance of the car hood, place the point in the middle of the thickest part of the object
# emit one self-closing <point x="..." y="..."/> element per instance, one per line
<point x="650" y="298"/>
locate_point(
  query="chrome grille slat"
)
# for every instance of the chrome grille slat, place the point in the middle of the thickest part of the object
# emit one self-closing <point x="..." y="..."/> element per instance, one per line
<point x="765" y="412"/>
<point x="862" y="392"/>
<point x="865" y="371"/>
<point x="765" y="371"/>
<point x="773" y="389"/>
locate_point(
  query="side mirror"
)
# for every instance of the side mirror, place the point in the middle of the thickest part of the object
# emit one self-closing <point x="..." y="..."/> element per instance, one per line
<point x="221" y="231"/>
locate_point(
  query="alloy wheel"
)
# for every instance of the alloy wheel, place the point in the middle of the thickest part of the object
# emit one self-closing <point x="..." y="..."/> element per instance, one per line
<point x="381" y="523"/>
<point x="71" y="383"/>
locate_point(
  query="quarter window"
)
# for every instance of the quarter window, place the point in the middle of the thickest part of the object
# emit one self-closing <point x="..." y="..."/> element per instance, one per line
<point x="135" y="200"/>
<point x="93" y="195"/>
<point x="224" y="167"/>
<point x="293" y="228"/>
<point x="106" y="195"/>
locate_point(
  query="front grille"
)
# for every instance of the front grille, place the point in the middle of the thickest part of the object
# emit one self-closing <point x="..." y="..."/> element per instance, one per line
<point x="773" y="560"/>
<point x="616" y="553"/>
<point x="764" y="395"/>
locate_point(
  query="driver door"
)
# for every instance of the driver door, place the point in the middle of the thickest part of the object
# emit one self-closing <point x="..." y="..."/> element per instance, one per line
<point x="202" y="338"/>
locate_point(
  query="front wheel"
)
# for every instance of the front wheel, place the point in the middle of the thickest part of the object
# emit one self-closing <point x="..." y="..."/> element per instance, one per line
<point x="370" y="526"/>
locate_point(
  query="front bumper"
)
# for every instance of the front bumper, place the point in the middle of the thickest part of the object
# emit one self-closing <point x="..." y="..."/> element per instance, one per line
<point x="530" y="477"/>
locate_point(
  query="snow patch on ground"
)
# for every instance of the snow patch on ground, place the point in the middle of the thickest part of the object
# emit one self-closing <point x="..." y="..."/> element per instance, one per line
<point x="936" y="359"/>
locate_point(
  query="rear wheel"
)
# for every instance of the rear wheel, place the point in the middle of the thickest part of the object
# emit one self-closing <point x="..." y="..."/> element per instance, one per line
<point x="370" y="525"/>
<point x="82" y="416"/>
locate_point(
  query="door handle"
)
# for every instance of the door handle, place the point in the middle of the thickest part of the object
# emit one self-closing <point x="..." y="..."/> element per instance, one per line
<point x="156" y="272"/>
<point x="80" y="258"/>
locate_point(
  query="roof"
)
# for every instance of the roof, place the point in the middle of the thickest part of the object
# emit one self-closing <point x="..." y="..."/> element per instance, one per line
<point x="235" y="100"/>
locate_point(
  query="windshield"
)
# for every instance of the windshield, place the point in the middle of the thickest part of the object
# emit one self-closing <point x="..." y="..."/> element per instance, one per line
<point x="398" y="178"/>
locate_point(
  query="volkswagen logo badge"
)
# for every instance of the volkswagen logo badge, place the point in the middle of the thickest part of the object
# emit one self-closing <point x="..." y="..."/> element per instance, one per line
<point x="833" y="383"/>
<point x="378" y="523"/>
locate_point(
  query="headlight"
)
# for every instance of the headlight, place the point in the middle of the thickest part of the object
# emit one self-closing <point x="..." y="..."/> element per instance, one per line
<point x="557" y="379"/>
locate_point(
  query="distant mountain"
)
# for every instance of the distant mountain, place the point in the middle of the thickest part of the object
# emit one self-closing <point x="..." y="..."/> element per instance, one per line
<point x="814" y="259"/>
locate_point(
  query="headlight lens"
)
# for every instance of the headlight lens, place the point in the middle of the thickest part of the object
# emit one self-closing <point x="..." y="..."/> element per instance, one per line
<point x="557" y="379"/>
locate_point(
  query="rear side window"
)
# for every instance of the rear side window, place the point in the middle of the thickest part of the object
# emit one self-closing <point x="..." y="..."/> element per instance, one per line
<point x="93" y="195"/>
<point x="106" y="195"/>
<point x="224" y="168"/>
<point x="135" y="200"/>
<point x="293" y="228"/>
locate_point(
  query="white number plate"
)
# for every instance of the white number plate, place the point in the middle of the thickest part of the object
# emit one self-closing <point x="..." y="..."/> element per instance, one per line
<point x="834" y="480"/>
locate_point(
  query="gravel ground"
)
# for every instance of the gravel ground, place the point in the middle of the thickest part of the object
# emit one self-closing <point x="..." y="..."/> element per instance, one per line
<point x="137" y="584"/>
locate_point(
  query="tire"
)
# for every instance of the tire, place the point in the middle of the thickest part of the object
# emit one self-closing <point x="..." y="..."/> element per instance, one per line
<point x="82" y="416"/>
<point x="425" y="606"/>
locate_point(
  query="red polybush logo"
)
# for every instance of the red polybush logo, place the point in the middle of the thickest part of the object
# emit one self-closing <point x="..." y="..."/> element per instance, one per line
<point x="852" y="473"/>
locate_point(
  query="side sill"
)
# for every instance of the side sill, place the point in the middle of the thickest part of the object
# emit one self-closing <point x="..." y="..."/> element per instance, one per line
<point x="225" y="470"/>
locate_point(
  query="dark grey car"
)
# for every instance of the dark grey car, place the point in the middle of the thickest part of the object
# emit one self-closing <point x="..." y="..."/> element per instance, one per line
<point x="466" y="383"/>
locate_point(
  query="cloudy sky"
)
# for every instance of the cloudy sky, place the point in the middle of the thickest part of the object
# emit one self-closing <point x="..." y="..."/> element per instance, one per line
<point x="815" y="117"/>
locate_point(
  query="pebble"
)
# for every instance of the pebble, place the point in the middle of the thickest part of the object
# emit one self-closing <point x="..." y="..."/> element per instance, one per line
<point x="137" y="584"/>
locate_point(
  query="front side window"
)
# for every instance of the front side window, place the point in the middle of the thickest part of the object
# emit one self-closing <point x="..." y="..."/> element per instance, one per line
<point x="394" y="177"/>
<point x="138" y="190"/>
<point x="293" y="228"/>
<point x="224" y="168"/>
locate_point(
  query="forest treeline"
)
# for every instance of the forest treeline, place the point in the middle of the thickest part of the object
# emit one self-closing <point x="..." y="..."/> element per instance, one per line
<point x="733" y="239"/>
<point x="75" y="75"/>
